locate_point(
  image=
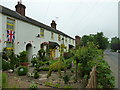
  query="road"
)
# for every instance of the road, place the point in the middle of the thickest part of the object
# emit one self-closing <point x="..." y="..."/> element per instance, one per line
<point x="112" y="59"/>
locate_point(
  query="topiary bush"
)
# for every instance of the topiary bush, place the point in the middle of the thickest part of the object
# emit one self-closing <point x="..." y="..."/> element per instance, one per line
<point x="41" y="53"/>
<point x="23" y="56"/>
<point x="5" y="65"/>
<point x="57" y="66"/>
<point x="37" y="66"/>
<point x="36" y="74"/>
<point x="22" y="70"/>
<point x="34" y="61"/>
<point x="66" y="78"/>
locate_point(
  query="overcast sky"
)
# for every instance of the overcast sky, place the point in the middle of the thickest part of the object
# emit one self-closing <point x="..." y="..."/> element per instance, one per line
<point x="74" y="17"/>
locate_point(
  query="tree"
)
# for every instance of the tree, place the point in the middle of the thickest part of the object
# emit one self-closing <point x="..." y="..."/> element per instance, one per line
<point x="86" y="39"/>
<point x="101" y="41"/>
<point x="98" y="39"/>
<point x="83" y="55"/>
<point x="115" y="43"/>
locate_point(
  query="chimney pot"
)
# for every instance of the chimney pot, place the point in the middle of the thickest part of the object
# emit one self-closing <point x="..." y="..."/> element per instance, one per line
<point x="20" y="8"/>
<point x="53" y="24"/>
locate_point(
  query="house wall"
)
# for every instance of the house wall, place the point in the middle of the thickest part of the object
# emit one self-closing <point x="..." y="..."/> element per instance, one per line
<point x="4" y="32"/>
<point x="26" y="33"/>
<point x="1" y="33"/>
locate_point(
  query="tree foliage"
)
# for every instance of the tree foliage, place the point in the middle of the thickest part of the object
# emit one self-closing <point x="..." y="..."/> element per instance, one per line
<point x="115" y="43"/>
<point x="89" y="56"/>
<point x="98" y="39"/>
<point x="84" y="55"/>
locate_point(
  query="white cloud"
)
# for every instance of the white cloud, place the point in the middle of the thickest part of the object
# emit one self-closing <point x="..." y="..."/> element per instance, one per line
<point x="61" y="0"/>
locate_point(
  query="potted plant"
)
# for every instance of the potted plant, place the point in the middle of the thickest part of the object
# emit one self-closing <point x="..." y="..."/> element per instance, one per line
<point x="23" y="58"/>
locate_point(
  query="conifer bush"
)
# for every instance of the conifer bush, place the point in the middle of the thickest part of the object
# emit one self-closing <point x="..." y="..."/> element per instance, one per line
<point x="22" y="70"/>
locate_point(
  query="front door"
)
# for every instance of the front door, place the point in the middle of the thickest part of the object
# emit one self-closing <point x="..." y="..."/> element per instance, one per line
<point x="52" y="53"/>
<point x="29" y="50"/>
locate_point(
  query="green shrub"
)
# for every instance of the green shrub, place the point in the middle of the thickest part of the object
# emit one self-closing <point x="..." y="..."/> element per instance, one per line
<point x="48" y="84"/>
<point x="45" y="63"/>
<point x="72" y="70"/>
<point x="57" y="85"/>
<point x="22" y="70"/>
<point x="44" y="68"/>
<point x="34" y="61"/>
<point x="46" y="58"/>
<point x="5" y="65"/>
<point x="37" y="66"/>
<point x="41" y="54"/>
<point x="57" y="66"/>
<point x="14" y="61"/>
<point x="23" y="56"/>
<point x="52" y="61"/>
<point x="104" y="74"/>
<point x="68" y="63"/>
<point x="33" y="85"/>
<point x="67" y="86"/>
<point x="36" y="74"/>
<point x="66" y="78"/>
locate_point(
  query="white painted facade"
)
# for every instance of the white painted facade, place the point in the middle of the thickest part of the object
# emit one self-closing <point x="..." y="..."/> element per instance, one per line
<point x="1" y="33"/>
<point x="26" y="33"/>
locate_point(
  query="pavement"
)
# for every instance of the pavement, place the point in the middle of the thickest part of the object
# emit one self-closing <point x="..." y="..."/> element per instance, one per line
<point x="112" y="59"/>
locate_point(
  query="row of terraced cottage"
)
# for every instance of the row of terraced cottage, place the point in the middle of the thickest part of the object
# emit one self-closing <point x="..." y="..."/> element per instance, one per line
<point x="19" y="32"/>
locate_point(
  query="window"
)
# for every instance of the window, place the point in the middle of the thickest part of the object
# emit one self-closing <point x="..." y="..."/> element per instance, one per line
<point x="41" y="32"/>
<point x="9" y="45"/>
<point x="10" y="24"/>
<point x="73" y="41"/>
<point x="65" y="39"/>
<point x="10" y="33"/>
<point x="69" y="40"/>
<point x="52" y="35"/>
<point x="59" y="37"/>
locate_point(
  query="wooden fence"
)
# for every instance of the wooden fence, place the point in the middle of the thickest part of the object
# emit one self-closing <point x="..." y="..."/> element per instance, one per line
<point x="92" y="81"/>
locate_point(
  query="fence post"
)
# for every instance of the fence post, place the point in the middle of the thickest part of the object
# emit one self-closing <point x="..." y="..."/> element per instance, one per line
<point x="92" y="81"/>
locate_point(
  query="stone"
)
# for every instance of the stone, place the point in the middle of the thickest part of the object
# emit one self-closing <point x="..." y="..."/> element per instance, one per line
<point x="10" y="70"/>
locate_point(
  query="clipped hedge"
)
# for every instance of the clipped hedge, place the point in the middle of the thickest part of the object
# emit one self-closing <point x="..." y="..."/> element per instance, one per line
<point x="104" y="77"/>
<point x="22" y="70"/>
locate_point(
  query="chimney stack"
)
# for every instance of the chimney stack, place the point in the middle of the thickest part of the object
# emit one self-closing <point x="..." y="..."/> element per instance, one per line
<point x="20" y="8"/>
<point x="53" y="24"/>
<point x="77" y="40"/>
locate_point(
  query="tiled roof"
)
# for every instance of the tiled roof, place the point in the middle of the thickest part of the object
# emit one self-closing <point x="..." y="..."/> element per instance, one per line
<point x="16" y="15"/>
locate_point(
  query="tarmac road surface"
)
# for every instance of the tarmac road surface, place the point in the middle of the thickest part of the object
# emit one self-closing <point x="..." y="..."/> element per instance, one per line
<point x="112" y="59"/>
